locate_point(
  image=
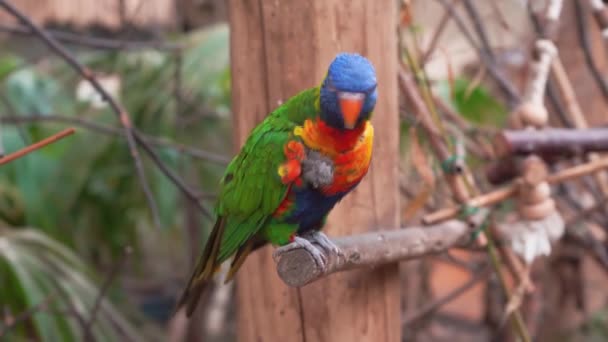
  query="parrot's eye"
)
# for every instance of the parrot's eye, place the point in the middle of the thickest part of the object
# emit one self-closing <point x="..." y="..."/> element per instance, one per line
<point x="330" y="86"/>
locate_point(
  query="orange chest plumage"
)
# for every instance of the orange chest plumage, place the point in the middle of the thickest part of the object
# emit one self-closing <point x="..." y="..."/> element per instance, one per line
<point x="350" y="151"/>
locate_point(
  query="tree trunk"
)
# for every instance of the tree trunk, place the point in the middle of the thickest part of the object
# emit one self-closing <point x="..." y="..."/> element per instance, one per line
<point x="279" y="48"/>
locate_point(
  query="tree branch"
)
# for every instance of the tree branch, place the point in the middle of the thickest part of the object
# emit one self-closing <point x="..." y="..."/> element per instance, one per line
<point x="298" y="267"/>
<point x="551" y="142"/>
<point x="33" y="147"/>
<point x="431" y="307"/>
<point x="25" y="315"/>
<point x="94" y="42"/>
<point x="435" y="37"/>
<point x="504" y="84"/>
<point x="502" y="194"/>
<point x="601" y="16"/>
<point x="585" y="41"/>
<point x="88" y="326"/>
<point x="110" y="130"/>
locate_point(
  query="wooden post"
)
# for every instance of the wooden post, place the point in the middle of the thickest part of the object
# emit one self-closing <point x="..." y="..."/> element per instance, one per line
<point x="279" y="48"/>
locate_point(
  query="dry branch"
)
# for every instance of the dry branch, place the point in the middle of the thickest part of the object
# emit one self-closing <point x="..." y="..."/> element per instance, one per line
<point x="94" y="42"/>
<point x="298" y="267"/>
<point x="500" y="195"/>
<point x="551" y="142"/>
<point x="435" y="37"/>
<point x="585" y="42"/>
<point x="601" y="16"/>
<point x="36" y="146"/>
<point x="437" y="141"/>
<point x="507" y="87"/>
<point x="118" y="265"/>
<point x="24" y="316"/>
<point x="433" y="306"/>
<point x="111" y="130"/>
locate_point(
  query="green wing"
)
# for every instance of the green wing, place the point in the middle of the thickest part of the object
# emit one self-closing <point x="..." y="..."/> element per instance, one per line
<point x="251" y="190"/>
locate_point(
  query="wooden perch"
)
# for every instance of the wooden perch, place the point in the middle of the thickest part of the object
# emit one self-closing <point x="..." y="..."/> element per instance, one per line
<point x="298" y="268"/>
<point x="551" y="142"/>
<point x="500" y="195"/>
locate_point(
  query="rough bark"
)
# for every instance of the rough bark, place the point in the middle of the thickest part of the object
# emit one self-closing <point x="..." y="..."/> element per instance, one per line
<point x="279" y="48"/>
<point x="298" y="267"/>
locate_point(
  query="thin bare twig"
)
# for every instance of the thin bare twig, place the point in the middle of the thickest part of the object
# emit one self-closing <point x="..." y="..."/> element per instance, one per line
<point x="500" y="195"/>
<point x="109" y="130"/>
<point x="33" y="147"/>
<point x="191" y="194"/>
<point x="585" y="42"/>
<point x="2" y="151"/>
<point x="505" y="86"/>
<point x="88" y="327"/>
<point x="479" y="28"/>
<point x="443" y="23"/>
<point x="94" y="42"/>
<point x="502" y="18"/>
<point x="24" y="316"/>
<point x="433" y="306"/>
<point x="12" y="111"/>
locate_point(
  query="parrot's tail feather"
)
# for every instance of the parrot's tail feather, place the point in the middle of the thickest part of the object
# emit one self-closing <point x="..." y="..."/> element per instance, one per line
<point x="206" y="267"/>
<point x="253" y="244"/>
<point x="238" y="260"/>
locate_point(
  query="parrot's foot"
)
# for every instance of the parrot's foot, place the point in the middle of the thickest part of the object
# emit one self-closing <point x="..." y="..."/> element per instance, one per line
<point x="299" y="242"/>
<point x="322" y="240"/>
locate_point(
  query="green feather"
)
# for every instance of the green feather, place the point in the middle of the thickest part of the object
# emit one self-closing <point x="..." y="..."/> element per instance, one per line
<point x="255" y="191"/>
<point x="250" y="192"/>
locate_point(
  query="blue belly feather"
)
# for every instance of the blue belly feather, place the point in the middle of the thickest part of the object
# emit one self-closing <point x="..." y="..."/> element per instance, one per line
<point x="311" y="207"/>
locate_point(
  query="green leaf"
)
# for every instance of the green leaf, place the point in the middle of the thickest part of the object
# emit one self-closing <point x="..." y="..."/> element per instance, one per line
<point x="30" y="92"/>
<point x="36" y="267"/>
<point x="8" y="64"/>
<point x="474" y="102"/>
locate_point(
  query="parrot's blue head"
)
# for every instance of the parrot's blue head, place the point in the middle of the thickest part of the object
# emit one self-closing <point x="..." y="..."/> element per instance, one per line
<point x="348" y="93"/>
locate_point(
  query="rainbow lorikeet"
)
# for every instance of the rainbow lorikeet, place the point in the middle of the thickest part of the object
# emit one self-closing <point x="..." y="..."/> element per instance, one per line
<point x="294" y="167"/>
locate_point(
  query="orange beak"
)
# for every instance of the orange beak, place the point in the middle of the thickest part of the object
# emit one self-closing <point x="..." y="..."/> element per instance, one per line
<point x="350" y="105"/>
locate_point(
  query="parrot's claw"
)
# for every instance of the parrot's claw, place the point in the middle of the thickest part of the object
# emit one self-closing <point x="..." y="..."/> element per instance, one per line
<point x="299" y="242"/>
<point x="322" y="240"/>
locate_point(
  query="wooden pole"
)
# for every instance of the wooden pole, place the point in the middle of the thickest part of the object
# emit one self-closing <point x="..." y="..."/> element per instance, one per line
<point x="279" y="48"/>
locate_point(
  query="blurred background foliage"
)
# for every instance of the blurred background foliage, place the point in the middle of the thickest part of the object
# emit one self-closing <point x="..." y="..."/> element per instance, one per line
<point x="81" y="196"/>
